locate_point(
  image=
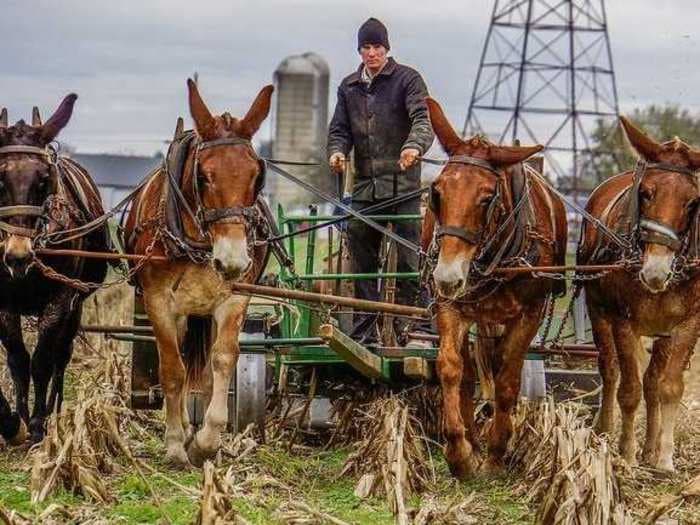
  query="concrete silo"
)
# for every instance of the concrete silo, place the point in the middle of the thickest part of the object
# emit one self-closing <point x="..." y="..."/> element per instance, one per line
<point x="300" y="124"/>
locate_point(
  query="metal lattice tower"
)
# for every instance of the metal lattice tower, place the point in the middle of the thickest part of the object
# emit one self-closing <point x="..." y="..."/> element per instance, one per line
<point x="546" y="75"/>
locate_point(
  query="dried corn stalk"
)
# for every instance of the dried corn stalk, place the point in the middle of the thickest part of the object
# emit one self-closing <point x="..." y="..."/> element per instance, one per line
<point x="79" y="448"/>
<point x="216" y="507"/>
<point x="568" y="470"/>
<point x="392" y="458"/>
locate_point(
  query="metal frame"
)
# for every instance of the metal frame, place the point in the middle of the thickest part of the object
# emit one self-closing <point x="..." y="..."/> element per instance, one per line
<point x="545" y="75"/>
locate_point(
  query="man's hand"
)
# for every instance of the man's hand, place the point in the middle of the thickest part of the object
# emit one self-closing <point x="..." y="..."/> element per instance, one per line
<point x="409" y="157"/>
<point x="337" y="162"/>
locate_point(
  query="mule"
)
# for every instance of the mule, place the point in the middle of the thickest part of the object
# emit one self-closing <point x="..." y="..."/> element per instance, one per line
<point x="654" y="208"/>
<point x="486" y="211"/>
<point x="41" y="195"/>
<point x="220" y="183"/>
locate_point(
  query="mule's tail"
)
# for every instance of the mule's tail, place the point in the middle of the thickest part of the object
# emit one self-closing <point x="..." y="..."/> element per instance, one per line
<point x="195" y="350"/>
<point x="487" y="359"/>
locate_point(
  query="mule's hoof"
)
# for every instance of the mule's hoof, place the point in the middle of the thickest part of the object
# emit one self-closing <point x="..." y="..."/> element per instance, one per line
<point x="177" y="457"/>
<point x="493" y="466"/>
<point x="197" y="454"/>
<point x="666" y="465"/>
<point x="463" y="470"/>
<point x="21" y="436"/>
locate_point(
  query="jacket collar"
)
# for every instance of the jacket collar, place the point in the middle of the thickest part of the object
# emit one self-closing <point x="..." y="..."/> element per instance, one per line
<point x="387" y="70"/>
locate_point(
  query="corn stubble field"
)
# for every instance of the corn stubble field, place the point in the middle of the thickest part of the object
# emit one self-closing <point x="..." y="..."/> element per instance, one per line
<point x="103" y="463"/>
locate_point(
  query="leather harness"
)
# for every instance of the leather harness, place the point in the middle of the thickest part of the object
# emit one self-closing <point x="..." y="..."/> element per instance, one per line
<point x="25" y="210"/>
<point x="650" y="230"/>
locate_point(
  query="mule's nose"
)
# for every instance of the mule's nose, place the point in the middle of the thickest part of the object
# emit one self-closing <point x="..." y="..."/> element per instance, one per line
<point x="231" y="271"/>
<point x="450" y="288"/>
<point x="17" y="263"/>
<point x="655" y="282"/>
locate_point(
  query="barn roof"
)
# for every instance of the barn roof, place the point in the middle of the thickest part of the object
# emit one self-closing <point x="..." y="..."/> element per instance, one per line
<point x="124" y="171"/>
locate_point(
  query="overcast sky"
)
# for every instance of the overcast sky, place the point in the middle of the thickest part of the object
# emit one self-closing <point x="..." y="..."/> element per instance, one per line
<point x="128" y="59"/>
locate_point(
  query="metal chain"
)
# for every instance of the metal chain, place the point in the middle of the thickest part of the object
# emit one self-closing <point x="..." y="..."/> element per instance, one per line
<point x="549" y="317"/>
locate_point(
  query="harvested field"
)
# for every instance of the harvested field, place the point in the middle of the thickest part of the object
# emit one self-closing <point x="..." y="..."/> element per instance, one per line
<point x="102" y="463"/>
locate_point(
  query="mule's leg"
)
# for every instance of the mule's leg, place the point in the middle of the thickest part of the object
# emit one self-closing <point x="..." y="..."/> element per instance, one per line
<point x="187" y="428"/>
<point x="55" y="323"/>
<point x="671" y="386"/>
<point x="12" y="427"/>
<point x="224" y="357"/>
<point x="629" y="392"/>
<point x="18" y="360"/>
<point x="514" y="345"/>
<point x="453" y="328"/>
<point x="61" y="357"/>
<point x="172" y="374"/>
<point x="651" y="398"/>
<point x="608" y="368"/>
<point x="466" y="393"/>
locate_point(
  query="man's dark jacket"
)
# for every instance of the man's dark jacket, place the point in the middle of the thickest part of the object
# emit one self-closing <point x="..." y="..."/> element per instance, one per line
<point x="379" y="120"/>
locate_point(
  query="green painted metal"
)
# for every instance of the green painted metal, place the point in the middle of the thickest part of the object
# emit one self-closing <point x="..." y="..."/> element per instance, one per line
<point x="323" y="218"/>
<point x="357" y="276"/>
<point x="299" y="327"/>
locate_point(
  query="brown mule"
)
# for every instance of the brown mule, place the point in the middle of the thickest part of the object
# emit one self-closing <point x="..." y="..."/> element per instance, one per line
<point x="473" y="204"/>
<point x="656" y="207"/>
<point x="220" y="182"/>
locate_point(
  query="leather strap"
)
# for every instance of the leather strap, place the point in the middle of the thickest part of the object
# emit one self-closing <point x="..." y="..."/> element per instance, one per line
<point x="222" y="214"/>
<point x="468" y="236"/>
<point x="21" y="209"/>
<point x="34" y="150"/>
<point x="230" y="141"/>
<point x="17" y="230"/>
<point x="473" y="161"/>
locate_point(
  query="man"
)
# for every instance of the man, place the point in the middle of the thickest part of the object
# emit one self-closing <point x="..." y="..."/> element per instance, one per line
<point x="381" y="113"/>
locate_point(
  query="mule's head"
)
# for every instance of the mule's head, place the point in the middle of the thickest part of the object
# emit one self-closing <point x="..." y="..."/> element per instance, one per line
<point x="27" y="179"/>
<point x="667" y="202"/>
<point x="465" y="197"/>
<point x="228" y="176"/>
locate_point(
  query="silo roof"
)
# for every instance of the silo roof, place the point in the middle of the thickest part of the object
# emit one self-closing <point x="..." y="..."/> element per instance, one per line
<point x="306" y="64"/>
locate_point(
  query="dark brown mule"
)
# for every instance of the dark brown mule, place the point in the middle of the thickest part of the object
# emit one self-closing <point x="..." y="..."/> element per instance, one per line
<point x="41" y="195"/>
<point x="221" y="179"/>
<point x="472" y="205"/>
<point x="655" y="209"/>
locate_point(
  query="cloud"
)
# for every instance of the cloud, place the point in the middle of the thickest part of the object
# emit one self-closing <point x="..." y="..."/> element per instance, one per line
<point x="128" y="60"/>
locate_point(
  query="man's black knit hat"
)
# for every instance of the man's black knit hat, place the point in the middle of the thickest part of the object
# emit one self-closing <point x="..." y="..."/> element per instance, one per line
<point x="372" y="32"/>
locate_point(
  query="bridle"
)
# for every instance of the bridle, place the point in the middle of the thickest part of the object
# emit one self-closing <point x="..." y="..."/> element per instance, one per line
<point x="465" y="234"/>
<point x="232" y="214"/>
<point x="26" y="210"/>
<point x="649" y="230"/>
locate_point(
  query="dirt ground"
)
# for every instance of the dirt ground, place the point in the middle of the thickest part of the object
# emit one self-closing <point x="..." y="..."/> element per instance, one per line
<point x="274" y="484"/>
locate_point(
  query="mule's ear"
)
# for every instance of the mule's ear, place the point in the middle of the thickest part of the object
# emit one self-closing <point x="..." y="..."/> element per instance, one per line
<point x="257" y="113"/>
<point x="647" y="147"/>
<point x="59" y="119"/>
<point x="441" y="126"/>
<point x="36" y="117"/>
<point x="694" y="158"/>
<point x="204" y="121"/>
<point x="506" y="155"/>
<point x="3" y="118"/>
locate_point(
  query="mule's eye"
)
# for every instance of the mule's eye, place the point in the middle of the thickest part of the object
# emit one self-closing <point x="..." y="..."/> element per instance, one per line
<point x="485" y="200"/>
<point x="645" y="194"/>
